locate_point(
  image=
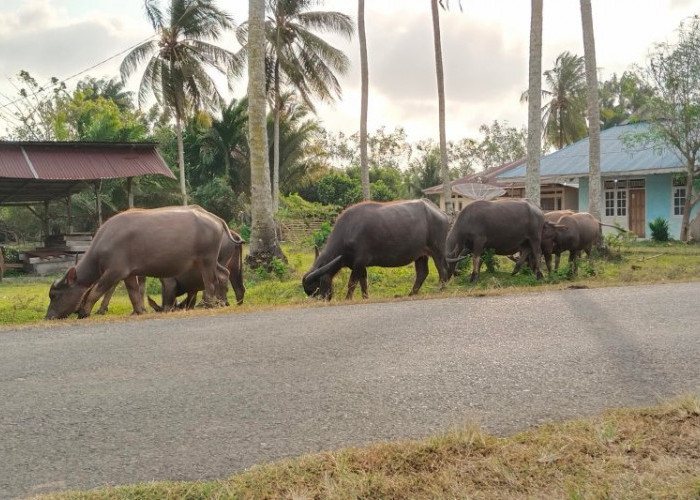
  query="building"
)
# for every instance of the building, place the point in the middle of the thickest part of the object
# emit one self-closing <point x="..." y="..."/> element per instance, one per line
<point x="639" y="182"/>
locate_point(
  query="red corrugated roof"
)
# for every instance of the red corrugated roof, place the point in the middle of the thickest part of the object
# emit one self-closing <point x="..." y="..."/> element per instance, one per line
<point x="40" y="171"/>
<point x="79" y="161"/>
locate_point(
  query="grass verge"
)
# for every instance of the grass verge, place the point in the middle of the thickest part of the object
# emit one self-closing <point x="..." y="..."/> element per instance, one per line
<point x="629" y="453"/>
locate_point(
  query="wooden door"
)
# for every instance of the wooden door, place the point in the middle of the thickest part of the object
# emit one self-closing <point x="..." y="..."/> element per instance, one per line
<point x="637" y="212"/>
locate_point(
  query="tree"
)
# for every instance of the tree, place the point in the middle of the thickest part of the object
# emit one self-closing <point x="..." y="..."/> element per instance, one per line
<point x="564" y="113"/>
<point x="501" y="144"/>
<point x="364" y="77"/>
<point x="178" y="62"/>
<point x="534" y="125"/>
<point x="263" y="237"/>
<point x="439" y="73"/>
<point x="300" y="57"/>
<point x="594" y="185"/>
<point x="673" y="71"/>
<point x="623" y="99"/>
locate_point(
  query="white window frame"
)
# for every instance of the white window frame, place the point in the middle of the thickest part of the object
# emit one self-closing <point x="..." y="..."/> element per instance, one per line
<point x="618" y="190"/>
<point x="680" y="207"/>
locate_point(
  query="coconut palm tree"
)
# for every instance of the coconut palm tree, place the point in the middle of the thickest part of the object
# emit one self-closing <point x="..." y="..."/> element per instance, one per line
<point x="263" y="238"/>
<point x="534" y="124"/>
<point x="564" y="115"/>
<point x="179" y="59"/>
<point x="298" y="57"/>
<point x="440" y="74"/>
<point x="595" y="201"/>
<point x="364" y="77"/>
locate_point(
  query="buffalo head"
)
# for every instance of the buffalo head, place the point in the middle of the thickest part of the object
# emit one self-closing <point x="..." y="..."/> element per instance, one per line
<point x="65" y="296"/>
<point x="319" y="282"/>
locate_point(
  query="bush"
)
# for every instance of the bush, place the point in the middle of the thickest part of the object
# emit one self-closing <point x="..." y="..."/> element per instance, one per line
<point x="320" y="236"/>
<point x="659" y="229"/>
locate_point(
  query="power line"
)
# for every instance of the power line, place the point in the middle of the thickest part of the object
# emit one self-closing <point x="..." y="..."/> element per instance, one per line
<point x="52" y="84"/>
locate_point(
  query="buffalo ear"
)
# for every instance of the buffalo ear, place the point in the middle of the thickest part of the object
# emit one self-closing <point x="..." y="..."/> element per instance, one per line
<point x="71" y="276"/>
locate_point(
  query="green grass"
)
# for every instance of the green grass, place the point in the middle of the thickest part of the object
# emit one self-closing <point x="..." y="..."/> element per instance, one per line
<point x="23" y="300"/>
<point x="629" y="453"/>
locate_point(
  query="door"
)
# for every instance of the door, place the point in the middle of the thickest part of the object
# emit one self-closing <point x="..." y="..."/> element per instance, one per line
<point x="637" y="212"/>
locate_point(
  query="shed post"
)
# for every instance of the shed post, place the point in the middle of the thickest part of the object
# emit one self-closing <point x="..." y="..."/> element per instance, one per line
<point x="69" y="202"/>
<point x="45" y="220"/>
<point x="130" y="190"/>
<point x="98" y="202"/>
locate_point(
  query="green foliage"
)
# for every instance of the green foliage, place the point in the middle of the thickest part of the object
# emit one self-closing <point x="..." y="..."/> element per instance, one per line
<point x="659" y="229"/>
<point x="617" y="240"/>
<point x="337" y="188"/>
<point x="217" y="197"/>
<point x="490" y="260"/>
<point x="382" y="192"/>
<point x="245" y="232"/>
<point x="294" y="206"/>
<point x="320" y="236"/>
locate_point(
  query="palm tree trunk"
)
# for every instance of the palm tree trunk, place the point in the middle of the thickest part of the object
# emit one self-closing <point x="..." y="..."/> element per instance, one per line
<point x="595" y="201"/>
<point x="263" y="238"/>
<point x="276" y="139"/>
<point x="364" y="100"/>
<point x="181" y="157"/>
<point x="444" y="170"/>
<point x="534" y="100"/>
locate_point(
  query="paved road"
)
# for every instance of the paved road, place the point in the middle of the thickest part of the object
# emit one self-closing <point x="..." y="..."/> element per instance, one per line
<point x="94" y="404"/>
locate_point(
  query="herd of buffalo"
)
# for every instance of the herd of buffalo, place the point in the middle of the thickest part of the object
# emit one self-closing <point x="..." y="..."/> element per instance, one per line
<point x="192" y="250"/>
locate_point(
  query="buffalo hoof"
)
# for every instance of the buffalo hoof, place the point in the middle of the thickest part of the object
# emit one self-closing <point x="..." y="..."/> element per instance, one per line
<point x="101" y="311"/>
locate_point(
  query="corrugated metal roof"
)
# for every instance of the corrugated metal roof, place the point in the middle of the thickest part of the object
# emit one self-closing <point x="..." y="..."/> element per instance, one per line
<point x="616" y="157"/>
<point x="38" y="171"/>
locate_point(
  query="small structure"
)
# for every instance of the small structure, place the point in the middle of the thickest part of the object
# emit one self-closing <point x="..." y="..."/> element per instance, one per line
<point x="557" y="195"/>
<point x="35" y="173"/>
<point x="639" y="183"/>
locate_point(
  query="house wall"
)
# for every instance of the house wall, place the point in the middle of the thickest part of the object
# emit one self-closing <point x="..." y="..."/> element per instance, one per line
<point x="658" y="203"/>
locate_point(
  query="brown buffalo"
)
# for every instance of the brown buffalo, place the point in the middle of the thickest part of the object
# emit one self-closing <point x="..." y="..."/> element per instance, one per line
<point x="506" y="226"/>
<point x="190" y="282"/>
<point x="380" y="234"/>
<point x="575" y="232"/>
<point x="161" y="242"/>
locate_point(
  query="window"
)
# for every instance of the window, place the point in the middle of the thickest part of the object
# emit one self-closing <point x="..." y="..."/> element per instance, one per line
<point x="678" y="200"/>
<point x="615" y="198"/>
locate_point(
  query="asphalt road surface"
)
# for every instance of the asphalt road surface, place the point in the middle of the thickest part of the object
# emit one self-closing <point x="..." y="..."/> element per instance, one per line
<point x="87" y="405"/>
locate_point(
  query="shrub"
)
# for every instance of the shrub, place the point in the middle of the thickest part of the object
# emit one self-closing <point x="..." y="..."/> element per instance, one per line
<point x="659" y="229"/>
<point x="320" y="236"/>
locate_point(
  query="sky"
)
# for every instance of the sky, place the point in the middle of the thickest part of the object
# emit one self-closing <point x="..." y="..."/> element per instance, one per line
<point x="485" y="51"/>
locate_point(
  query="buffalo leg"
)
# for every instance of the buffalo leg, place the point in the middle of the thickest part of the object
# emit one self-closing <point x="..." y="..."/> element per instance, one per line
<point x="105" y="283"/>
<point x="358" y="274"/>
<point x="136" y="291"/>
<point x="210" y="280"/>
<point x="573" y="261"/>
<point x="476" y="264"/>
<point x="557" y="259"/>
<point x="421" y="273"/>
<point x="104" y="306"/>
<point x="222" y="277"/>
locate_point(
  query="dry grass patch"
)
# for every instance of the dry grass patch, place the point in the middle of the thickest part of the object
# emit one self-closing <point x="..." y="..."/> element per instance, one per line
<point x="630" y="453"/>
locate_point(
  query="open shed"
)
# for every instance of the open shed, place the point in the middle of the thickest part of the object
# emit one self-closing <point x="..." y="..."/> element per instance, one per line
<point x="35" y="173"/>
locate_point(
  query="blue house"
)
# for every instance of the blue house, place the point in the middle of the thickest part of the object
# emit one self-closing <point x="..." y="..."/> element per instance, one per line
<point x="638" y="183"/>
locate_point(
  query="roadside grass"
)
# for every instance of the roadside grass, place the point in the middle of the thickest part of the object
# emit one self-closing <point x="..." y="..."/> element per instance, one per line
<point x="627" y="453"/>
<point x="23" y="300"/>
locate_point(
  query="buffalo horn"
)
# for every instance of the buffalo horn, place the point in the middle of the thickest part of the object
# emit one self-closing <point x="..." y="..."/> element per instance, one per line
<point x="322" y="270"/>
<point x="452" y="260"/>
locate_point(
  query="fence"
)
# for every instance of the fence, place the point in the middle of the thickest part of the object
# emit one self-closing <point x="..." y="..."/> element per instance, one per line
<point x="299" y="231"/>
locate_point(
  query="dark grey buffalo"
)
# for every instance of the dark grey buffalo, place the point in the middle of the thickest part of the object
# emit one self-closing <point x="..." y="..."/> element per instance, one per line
<point x="380" y="234"/>
<point x="161" y="242"/>
<point x="190" y="282"/>
<point x="506" y="226"/>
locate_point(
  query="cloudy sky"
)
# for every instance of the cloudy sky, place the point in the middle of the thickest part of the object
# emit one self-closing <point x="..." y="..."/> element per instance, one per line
<point x="485" y="51"/>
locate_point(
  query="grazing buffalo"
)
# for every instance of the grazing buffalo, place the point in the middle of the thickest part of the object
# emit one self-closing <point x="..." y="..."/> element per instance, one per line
<point x="506" y="226"/>
<point x="380" y="234"/>
<point x="190" y="282"/>
<point x="161" y="242"/>
<point x="575" y="232"/>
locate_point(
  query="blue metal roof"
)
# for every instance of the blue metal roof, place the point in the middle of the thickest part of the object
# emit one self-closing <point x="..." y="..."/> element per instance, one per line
<point x="616" y="158"/>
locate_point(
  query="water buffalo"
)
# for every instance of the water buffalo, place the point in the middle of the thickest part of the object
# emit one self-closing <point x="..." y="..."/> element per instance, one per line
<point x="575" y="232"/>
<point x="380" y="234"/>
<point x="190" y="282"/>
<point x="161" y="242"/>
<point x="506" y="226"/>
